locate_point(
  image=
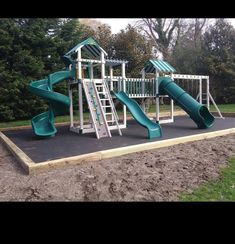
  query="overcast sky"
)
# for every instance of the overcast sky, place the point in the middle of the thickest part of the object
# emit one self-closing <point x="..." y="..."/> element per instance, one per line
<point x="118" y="23"/>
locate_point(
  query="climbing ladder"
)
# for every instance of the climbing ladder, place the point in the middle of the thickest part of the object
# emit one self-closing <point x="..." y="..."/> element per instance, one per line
<point x="101" y="107"/>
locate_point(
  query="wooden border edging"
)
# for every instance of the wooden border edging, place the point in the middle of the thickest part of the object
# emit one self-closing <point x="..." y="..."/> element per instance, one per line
<point x="31" y="167"/>
<point x="21" y="157"/>
<point x="110" y="153"/>
<point x="165" y="143"/>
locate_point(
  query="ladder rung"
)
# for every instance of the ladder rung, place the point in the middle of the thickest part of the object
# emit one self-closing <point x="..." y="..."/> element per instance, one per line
<point x="104" y="99"/>
<point x="109" y="121"/>
<point x="108" y="113"/>
<point x="106" y="106"/>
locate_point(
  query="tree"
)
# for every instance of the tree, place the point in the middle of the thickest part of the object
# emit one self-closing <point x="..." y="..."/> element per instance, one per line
<point x="30" y="49"/>
<point x="70" y="34"/>
<point x="92" y="23"/>
<point x="219" y="59"/>
<point x="104" y="36"/>
<point x="163" y="33"/>
<point x="187" y="53"/>
<point x="130" y="45"/>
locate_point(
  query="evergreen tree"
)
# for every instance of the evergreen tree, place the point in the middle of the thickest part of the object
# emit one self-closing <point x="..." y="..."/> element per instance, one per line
<point x="130" y="45"/>
<point x="30" y="49"/>
<point x="219" y="60"/>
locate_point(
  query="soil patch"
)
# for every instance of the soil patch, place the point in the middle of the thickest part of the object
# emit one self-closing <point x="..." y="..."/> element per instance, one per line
<point x="156" y="175"/>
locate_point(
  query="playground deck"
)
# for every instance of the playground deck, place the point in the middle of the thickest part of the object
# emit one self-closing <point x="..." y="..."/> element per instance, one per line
<point x="68" y="144"/>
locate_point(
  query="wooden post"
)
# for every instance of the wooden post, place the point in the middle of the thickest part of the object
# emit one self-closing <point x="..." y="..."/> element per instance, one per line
<point x="143" y="90"/>
<point x="208" y="93"/>
<point x="172" y="103"/>
<point x="71" y="105"/>
<point x="79" y="63"/>
<point x="200" y="90"/>
<point x="157" y="95"/>
<point x="102" y="71"/>
<point x="124" y="89"/>
<point x="111" y="77"/>
<point x="102" y="66"/>
<point x="70" y="91"/>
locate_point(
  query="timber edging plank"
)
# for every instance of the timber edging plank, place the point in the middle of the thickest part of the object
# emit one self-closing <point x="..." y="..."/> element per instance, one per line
<point x="25" y="161"/>
<point x="31" y="167"/>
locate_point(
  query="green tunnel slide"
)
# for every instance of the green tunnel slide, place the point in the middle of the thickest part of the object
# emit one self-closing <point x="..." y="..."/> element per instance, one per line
<point x="197" y="112"/>
<point x="43" y="124"/>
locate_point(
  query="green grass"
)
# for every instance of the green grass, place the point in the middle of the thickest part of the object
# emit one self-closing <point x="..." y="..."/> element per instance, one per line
<point x="225" y="108"/>
<point x="222" y="107"/>
<point x="15" y="123"/>
<point x="220" y="190"/>
<point x="58" y="119"/>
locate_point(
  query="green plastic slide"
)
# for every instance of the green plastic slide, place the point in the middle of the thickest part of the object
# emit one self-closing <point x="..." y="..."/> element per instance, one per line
<point x="43" y="124"/>
<point x="154" y="129"/>
<point x="197" y="112"/>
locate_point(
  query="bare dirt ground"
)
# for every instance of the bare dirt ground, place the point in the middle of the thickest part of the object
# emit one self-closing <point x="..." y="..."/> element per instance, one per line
<point x="157" y="175"/>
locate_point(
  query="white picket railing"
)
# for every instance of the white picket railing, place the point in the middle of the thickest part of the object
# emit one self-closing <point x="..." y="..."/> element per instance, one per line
<point x="134" y="87"/>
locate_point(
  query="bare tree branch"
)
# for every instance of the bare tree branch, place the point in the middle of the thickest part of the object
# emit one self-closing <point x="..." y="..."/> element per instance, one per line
<point x="162" y="32"/>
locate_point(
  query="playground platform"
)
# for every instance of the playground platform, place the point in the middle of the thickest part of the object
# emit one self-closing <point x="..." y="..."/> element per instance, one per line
<point x="70" y="148"/>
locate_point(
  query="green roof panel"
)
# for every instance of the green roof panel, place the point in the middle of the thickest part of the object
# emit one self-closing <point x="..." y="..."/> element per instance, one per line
<point x="90" y="45"/>
<point x="159" y="65"/>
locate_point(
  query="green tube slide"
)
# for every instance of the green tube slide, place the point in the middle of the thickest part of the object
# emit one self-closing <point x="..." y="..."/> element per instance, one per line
<point x="154" y="129"/>
<point x="43" y="124"/>
<point x="197" y="112"/>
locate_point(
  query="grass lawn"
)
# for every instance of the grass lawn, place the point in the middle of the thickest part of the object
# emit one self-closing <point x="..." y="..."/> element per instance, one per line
<point x="220" y="190"/>
<point x="222" y="107"/>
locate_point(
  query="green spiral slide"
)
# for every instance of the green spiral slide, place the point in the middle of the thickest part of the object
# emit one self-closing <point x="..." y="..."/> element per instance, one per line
<point x="197" y="112"/>
<point x="154" y="129"/>
<point x="43" y="124"/>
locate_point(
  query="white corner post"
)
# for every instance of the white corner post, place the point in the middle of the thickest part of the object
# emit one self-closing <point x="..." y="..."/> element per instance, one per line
<point x="102" y="65"/>
<point x="172" y="103"/>
<point x="91" y="77"/>
<point x="71" y="105"/>
<point x="79" y="68"/>
<point x="92" y="71"/>
<point x="200" y="90"/>
<point x="143" y="90"/>
<point x="111" y="77"/>
<point x="102" y="70"/>
<point x="124" y="89"/>
<point x="208" y="93"/>
<point x="70" y="90"/>
<point x="157" y="95"/>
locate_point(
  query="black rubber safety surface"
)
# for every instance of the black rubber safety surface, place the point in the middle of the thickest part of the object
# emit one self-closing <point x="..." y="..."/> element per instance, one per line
<point x="68" y="144"/>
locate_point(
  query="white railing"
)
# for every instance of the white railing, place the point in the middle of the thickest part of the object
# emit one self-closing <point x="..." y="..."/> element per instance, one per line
<point x="191" y="77"/>
<point x="134" y="87"/>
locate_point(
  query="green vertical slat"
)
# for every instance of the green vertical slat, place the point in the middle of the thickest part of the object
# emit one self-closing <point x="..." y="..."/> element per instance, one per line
<point x="161" y="63"/>
<point x="170" y="68"/>
<point x="164" y="65"/>
<point x="158" y="66"/>
<point x="164" y="68"/>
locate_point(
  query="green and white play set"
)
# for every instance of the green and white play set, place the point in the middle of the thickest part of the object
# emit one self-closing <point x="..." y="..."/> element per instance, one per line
<point x="86" y="66"/>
